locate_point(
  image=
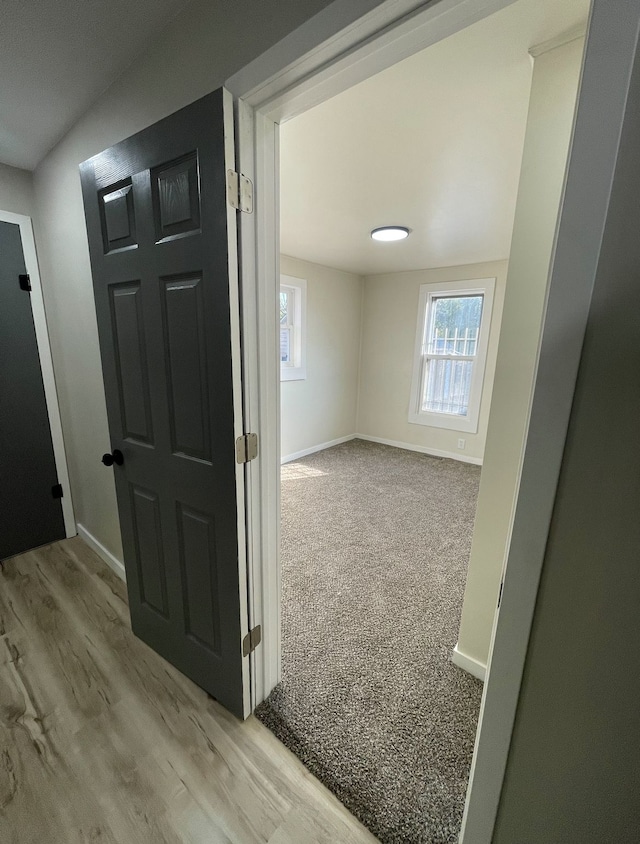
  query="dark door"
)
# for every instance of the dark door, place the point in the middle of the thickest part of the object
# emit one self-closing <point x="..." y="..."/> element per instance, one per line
<point x="162" y="240"/>
<point x="30" y="515"/>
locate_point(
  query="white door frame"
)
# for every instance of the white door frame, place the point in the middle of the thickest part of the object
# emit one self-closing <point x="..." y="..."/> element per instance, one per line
<point x="328" y="54"/>
<point x="46" y="362"/>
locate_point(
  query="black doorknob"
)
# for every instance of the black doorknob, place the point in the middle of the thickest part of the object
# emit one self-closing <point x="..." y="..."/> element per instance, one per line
<point x="116" y="457"/>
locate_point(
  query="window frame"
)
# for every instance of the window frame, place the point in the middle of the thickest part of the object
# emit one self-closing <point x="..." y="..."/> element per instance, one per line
<point x="447" y="289"/>
<point x="297" y="370"/>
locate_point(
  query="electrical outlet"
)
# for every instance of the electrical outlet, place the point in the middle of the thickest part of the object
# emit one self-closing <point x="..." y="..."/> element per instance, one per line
<point x="461" y="443"/>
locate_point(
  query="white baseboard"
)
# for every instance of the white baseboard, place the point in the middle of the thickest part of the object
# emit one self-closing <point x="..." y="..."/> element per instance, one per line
<point x="104" y="553"/>
<point x="468" y="663"/>
<point x="434" y="452"/>
<point x="298" y="454"/>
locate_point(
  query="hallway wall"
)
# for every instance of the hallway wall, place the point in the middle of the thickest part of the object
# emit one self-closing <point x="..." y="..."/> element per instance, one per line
<point x="16" y="190"/>
<point x="202" y="47"/>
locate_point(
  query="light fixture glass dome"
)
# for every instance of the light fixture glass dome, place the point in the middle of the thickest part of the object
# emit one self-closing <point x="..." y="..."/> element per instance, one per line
<point x="389" y="233"/>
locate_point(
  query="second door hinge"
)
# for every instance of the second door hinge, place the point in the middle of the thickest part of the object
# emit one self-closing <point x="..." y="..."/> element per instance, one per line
<point x="251" y="640"/>
<point x="246" y="448"/>
<point x="240" y="191"/>
<point x="24" y="281"/>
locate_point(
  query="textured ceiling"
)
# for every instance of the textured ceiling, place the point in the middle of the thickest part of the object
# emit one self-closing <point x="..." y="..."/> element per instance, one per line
<point x="433" y="143"/>
<point x="57" y="56"/>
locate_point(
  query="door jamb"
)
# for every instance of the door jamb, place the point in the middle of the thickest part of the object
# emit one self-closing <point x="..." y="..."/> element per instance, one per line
<point x="239" y="415"/>
<point x="258" y="155"/>
<point x="609" y="56"/>
<point x="46" y="362"/>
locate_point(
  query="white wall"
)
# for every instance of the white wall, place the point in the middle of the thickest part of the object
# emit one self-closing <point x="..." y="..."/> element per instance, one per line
<point x="322" y="407"/>
<point x="389" y="321"/>
<point x="16" y="190"/>
<point x="201" y="48"/>
<point x="573" y="774"/>
<point x="549" y="125"/>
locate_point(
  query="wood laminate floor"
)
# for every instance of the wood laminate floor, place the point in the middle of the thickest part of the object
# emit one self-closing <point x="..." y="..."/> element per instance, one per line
<point x="101" y="740"/>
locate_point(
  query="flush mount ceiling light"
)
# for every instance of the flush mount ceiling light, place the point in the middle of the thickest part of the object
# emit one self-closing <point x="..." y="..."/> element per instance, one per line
<point x="389" y="233"/>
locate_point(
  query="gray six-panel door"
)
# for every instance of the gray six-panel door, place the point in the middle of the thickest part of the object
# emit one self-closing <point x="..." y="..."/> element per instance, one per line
<point x="156" y="212"/>
<point x="30" y="512"/>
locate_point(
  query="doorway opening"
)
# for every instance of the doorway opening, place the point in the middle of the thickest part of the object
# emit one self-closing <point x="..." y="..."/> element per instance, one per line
<point x="36" y="497"/>
<point x="381" y="459"/>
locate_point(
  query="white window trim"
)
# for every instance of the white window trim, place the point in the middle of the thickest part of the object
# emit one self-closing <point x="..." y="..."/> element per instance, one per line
<point x="297" y="371"/>
<point x="467" y="287"/>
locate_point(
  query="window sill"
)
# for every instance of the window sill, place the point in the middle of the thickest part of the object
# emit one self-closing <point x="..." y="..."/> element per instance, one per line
<point x="293" y="373"/>
<point x="442" y="420"/>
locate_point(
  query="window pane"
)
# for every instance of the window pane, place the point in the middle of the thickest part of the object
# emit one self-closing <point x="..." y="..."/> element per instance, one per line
<point x="447" y="386"/>
<point x="284" y="307"/>
<point x="454" y="325"/>
<point x="285" y="345"/>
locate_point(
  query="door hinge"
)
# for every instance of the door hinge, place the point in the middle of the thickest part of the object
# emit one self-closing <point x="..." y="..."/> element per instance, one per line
<point x="25" y="282"/>
<point x="240" y="191"/>
<point x="246" y="448"/>
<point x="56" y="491"/>
<point x="251" y="640"/>
<point x="500" y="592"/>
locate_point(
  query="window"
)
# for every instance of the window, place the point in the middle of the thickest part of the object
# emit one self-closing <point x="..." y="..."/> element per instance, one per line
<point x="451" y="351"/>
<point x="293" y="309"/>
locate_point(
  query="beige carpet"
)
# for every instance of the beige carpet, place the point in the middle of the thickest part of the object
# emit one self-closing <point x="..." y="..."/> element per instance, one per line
<point x="375" y="545"/>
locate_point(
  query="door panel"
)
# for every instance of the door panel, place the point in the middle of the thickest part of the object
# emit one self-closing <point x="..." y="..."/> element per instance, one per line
<point x="131" y="361"/>
<point x="202" y="611"/>
<point x="176" y="198"/>
<point x="149" y="550"/>
<point x="29" y="514"/>
<point x="186" y="355"/>
<point x="161" y="242"/>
